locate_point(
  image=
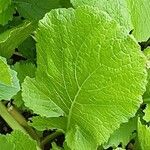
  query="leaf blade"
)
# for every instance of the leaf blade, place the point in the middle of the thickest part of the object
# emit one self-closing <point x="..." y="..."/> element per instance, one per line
<point x="86" y="75"/>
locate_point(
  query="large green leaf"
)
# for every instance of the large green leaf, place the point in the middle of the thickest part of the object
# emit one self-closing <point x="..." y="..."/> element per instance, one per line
<point x="9" y="84"/>
<point x="11" y="39"/>
<point x="17" y="141"/>
<point x="89" y="70"/>
<point x="133" y="14"/>
<point x="140" y="10"/>
<point x="115" y="8"/>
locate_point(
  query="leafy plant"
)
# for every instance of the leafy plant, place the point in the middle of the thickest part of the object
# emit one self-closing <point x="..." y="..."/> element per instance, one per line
<point x="74" y="74"/>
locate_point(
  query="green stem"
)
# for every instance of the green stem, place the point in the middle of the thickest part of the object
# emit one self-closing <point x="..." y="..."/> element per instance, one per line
<point x="51" y="137"/>
<point x="9" y="119"/>
<point x="17" y="122"/>
<point x="22" y="121"/>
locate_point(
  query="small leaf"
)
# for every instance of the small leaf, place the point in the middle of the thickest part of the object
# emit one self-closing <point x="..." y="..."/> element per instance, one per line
<point x="12" y="38"/>
<point x="9" y="83"/>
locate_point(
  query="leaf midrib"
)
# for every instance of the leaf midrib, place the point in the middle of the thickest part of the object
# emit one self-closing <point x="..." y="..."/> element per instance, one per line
<point x="77" y="94"/>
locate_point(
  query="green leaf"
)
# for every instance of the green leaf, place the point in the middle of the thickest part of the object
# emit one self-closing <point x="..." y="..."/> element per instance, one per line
<point x="133" y="14"/>
<point x="4" y="4"/>
<point x="89" y="70"/>
<point x="17" y="141"/>
<point x="140" y="11"/>
<point x="23" y="69"/>
<point x="43" y="123"/>
<point x="115" y="8"/>
<point x="36" y="9"/>
<point x="9" y="84"/>
<point x="143" y="137"/>
<point x="6" y="15"/>
<point x="11" y="39"/>
<point x="123" y="134"/>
